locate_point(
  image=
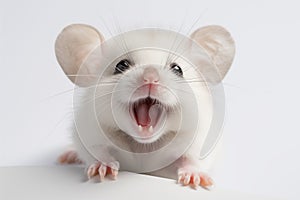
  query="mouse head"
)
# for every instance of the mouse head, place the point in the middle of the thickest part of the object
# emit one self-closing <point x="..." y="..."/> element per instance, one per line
<point x="144" y="80"/>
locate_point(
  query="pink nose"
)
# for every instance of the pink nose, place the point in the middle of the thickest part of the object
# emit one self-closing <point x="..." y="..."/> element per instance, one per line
<point x="150" y="75"/>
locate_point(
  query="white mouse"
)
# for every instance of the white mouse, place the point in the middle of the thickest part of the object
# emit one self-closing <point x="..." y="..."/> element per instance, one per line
<point x="139" y="106"/>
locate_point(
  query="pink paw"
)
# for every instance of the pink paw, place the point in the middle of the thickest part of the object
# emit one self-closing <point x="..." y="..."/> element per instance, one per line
<point x="103" y="170"/>
<point x="192" y="176"/>
<point x="69" y="157"/>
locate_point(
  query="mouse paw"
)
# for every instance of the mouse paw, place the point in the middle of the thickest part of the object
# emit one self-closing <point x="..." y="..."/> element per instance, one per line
<point x="103" y="170"/>
<point x="69" y="157"/>
<point x="192" y="176"/>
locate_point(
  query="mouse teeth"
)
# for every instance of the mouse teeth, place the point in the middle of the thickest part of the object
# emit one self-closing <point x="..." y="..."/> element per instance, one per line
<point x="151" y="129"/>
<point x="140" y="128"/>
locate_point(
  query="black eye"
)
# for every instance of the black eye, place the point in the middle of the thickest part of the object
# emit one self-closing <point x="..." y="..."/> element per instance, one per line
<point x="176" y="69"/>
<point x="122" y="66"/>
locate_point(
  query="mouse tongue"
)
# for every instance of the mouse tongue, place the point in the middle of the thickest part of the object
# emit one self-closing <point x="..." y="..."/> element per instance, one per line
<point x="154" y="113"/>
<point x="142" y="114"/>
<point x="147" y="113"/>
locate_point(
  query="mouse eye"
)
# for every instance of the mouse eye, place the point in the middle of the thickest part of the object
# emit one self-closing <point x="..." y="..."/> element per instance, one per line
<point x="176" y="69"/>
<point x="122" y="66"/>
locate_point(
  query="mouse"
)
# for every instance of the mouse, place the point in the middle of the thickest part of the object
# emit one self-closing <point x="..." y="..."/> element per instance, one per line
<point x="142" y="100"/>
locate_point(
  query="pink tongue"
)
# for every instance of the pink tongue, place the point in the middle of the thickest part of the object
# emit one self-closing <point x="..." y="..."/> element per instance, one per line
<point x="142" y="114"/>
<point x="147" y="115"/>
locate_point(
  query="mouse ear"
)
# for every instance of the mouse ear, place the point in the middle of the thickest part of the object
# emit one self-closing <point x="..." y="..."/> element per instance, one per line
<point x="72" y="47"/>
<point x="219" y="45"/>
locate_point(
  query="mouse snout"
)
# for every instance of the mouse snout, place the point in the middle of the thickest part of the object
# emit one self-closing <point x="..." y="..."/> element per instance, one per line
<point x="151" y="75"/>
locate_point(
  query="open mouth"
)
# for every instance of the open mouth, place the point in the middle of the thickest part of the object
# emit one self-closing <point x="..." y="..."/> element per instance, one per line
<point x="147" y="114"/>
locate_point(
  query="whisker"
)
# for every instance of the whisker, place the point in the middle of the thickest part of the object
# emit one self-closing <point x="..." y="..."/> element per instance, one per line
<point x="106" y="27"/>
<point x="77" y="88"/>
<point x="55" y="95"/>
<point x="188" y="33"/>
<point x="117" y="25"/>
<point x="195" y="81"/>
<point x="173" y="43"/>
<point x="181" y="90"/>
<point x="94" y="98"/>
<point x="112" y="35"/>
<point x="58" y="124"/>
<point x="107" y="83"/>
<point x="191" y="80"/>
<point x="80" y="75"/>
<point x="83" y="75"/>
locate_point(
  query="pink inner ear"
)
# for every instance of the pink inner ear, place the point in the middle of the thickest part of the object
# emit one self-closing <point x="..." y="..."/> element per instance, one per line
<point x="72" y="46"/>
<point x="219" y="46"/>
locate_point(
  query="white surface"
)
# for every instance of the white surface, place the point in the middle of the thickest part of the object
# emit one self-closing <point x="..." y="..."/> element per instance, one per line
<point x="68" y="183"/>
<point x="261" y="133"/>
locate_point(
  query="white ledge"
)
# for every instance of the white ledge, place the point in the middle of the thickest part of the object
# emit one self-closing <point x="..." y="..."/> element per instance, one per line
<point x="69" y="182"/>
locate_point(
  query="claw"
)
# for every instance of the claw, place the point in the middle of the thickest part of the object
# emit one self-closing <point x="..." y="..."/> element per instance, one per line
<point x="114" y="165"/>
<point x="102" y="172"/>
<point x="180" y="177"/>
<point x="196" y="181"/>
<point x="192" y="176"/>
<point x="92" y="170"/>
<point x="69" y="157"/>
<point x="207" y="182"/>
<point x="114" y="173"/>
<point x="187" y="179"/>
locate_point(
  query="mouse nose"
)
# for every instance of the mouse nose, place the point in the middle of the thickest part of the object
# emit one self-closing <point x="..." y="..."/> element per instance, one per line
<point x="151" y="75"/>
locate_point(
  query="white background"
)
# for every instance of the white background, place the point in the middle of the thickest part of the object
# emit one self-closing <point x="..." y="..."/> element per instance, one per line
<point x="262" y="126"/>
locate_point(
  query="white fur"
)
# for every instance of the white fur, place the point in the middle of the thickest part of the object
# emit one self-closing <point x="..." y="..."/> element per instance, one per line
<point x="96" y="100"/>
